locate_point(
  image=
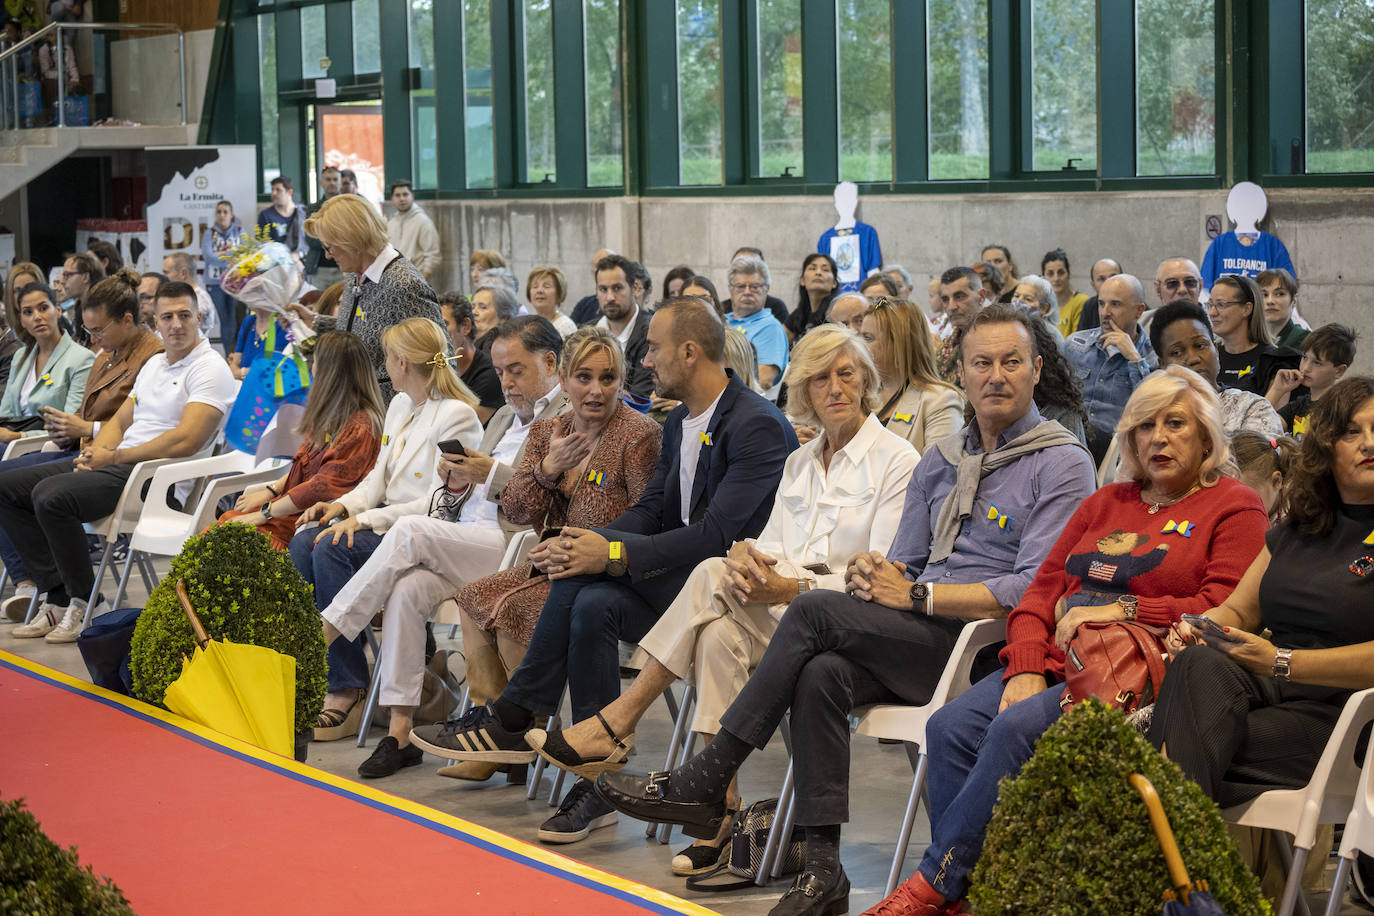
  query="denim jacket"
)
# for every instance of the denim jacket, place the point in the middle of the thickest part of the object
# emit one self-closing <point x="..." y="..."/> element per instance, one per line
<point x="1107" y="377"/>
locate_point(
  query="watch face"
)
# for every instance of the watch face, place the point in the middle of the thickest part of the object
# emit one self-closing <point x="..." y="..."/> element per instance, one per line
<point x="919" y="591"/>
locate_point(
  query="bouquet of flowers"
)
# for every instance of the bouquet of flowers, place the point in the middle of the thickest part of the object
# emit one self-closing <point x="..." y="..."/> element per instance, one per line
<point x="263" y="275"/>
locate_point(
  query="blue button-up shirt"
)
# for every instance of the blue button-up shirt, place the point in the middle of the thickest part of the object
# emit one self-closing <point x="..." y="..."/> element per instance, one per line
<point x="1036" y="494"/>
<point x="1108" y="378"/>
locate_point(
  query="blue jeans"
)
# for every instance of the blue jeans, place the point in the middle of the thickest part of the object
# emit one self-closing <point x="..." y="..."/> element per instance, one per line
<point x="971" y="748"/>
<point x="9" y="554"/>
<point x="226" y="312"/>
<point x="328" y="566"/>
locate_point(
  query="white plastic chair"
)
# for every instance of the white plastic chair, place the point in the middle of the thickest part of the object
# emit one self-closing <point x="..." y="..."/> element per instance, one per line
<point x="25" y="445"/>
<point x="1111" y="462"/>
<point x="1326" y="799"/>
<point x="122" y="521"/>
<point x="1359" y="832"/>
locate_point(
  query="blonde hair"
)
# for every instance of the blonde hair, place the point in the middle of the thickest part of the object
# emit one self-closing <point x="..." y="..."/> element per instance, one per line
<point x="741" y="358"/>
<point x="350" y="222"/>
<point x="12" y="293"/>
<point x="813" y="355"/>
<point x="560" y="283"/>
<point x="910" y="344"/>
<point x="583" y="343"/>
<point x="423" y="344"/>
<point x="1160" y="389"/>
<point x="486" y="258"/>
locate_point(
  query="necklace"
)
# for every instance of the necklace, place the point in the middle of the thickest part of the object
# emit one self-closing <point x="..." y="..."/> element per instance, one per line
<point x="1168" y="501"/>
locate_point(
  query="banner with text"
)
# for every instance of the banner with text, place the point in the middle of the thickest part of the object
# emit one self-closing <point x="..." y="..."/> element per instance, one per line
<point x="184" y="185"/>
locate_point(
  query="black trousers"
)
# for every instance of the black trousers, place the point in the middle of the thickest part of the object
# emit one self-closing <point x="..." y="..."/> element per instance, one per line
<point x="831" y="653"/>
<point x="42" y="509"/>
<point x="1237" y="734"/>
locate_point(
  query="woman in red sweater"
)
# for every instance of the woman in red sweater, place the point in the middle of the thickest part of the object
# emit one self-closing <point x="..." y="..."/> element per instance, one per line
<point x="342" y="427"/>
<point x="1174" y="539"/>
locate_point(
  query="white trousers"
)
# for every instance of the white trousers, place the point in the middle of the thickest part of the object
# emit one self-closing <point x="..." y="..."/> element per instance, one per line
<point x="419" y="564"/>
<point x="713" y="640"/>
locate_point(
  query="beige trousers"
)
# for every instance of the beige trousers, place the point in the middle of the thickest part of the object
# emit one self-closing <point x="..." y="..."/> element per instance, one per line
<point x="712" y="640"/>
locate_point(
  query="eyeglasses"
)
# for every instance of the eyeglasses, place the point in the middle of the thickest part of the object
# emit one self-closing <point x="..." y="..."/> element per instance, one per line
<point x="97" y="333"/>
<point x="748" y="287"/>
<point x="66" y="274"/>
<point x="1173" y="283"/>
<point x="1220" y="304"/>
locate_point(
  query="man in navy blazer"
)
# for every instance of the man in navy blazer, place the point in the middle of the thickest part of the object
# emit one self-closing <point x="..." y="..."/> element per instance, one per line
<point x="724" y="449"/>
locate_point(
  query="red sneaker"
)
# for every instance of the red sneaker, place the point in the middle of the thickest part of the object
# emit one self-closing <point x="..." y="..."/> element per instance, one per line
<point x="904" y="901"/>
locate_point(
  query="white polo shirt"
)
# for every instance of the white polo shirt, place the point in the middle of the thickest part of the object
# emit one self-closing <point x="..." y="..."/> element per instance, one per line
<point x="162" y="391"/>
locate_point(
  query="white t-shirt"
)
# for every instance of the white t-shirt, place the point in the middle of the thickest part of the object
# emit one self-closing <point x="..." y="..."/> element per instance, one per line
<point x="693" y="431"/>
<point x="479" y="510"/>
<point x="161" y="393"/>
<point x="624" y="335"/>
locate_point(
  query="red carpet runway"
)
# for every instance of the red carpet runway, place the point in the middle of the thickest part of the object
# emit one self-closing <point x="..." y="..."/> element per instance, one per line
<point x="185" y="820"/>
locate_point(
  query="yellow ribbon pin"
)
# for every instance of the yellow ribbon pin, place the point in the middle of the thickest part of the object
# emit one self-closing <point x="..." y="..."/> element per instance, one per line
<point x="902" y="417"/>
<point x="362" y="316"/>
<point x="385" y="439"/>
<point x="1184" y="528"/>
<point x="705" y="438"/>
<point x="596" y="477"/>
<point x="47" y="379"/>
<point x="1369" y="541"/>
<point x="1299" y="426"/>
<point x="1244" y="372"/>
<point x="997" y="515"/>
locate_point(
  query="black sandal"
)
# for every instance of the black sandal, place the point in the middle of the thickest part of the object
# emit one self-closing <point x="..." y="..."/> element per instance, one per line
<point x="552" y="747"/>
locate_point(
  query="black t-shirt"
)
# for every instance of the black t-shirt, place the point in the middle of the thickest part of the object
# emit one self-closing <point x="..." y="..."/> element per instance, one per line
<point x="1295" y="414"/>
<point x="1255" y="368"/>
<point x="481" y="380"/>
<point x="1309" y="596"/>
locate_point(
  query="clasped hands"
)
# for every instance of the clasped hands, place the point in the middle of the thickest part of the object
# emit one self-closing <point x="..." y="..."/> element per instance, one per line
<point x="752" y="578"/>
<point x="871" y="577"/>
<point x="571" y="552"/>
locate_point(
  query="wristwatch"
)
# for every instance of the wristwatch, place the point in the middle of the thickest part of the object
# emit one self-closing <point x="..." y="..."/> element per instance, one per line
<point x="267" y="509"/>
<point x="1129" y="604"/>
<point x="1283" y="661"/>
<point x="920" y="598"/>
<point x="616" y="565"/>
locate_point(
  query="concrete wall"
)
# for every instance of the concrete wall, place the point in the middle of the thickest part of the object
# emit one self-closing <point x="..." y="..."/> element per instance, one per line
<point x="144" y="77"/>
<point x="1330" y="235"/>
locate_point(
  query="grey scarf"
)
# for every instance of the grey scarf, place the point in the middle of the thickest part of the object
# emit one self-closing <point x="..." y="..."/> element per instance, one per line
<point x="958" y="505"/>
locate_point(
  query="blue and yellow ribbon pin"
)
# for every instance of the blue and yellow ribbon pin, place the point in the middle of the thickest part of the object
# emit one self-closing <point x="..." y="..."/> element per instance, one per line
<point x="1244" y="372"/>
<point x="997" y="515"/>
<point x="1369" y="541"/>
<point x="705" y="438"/>
<point x="362" y="316"/>
<point x="1184" y="528"/>
<point x="901" y="418"/>
<point x="385" y="438"/>
<point x="1299" y="426"/>
<point x="46" y="378"/>
<point x="597" y="477"/>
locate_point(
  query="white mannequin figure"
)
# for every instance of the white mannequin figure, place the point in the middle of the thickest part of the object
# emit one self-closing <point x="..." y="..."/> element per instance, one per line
<point x="846" y="202"/>
<point x="1245" y="206"/>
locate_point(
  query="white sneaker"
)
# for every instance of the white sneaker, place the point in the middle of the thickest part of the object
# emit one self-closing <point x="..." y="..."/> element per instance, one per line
<point x="71" y="624"/>
<point x="42" y="625"/>
<point x="17" y="607"/>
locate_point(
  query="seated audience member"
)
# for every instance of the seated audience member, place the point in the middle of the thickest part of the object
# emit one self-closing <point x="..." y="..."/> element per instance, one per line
<point x="622" y="316"/>
<point x="583" y="468"/>
<point x="962" y="294"/>
<point x="174" y="410"/>
<point x="847" y="310"/>
<point x="772" y="303"/>
<point x="1054" y="266"/>
<point x="739" y="352"/>
<point x="20" y="276"/>
<point x="1181" y="335"/>
<point x="480" y="261"/>
<point x="641" y="285"/>
<point x="492" y="304"/>
<point x="1103" y="270"/>
<point x="1058" y="394"/>
<point x="148" y="285"/>
<point x="675" y="279"/>
<point x="1326" y="353"/>
<point x="1111" y="360"/>
<point x="1263" y="464"/>
<point x="722" y="456"/>
<point x="749" y="280"/>
<point x="1280" y="290"/>
<point x="503" y="277"/>
<point x="1254" y="713"/>
<point x="999" y="256"/>
<point x="107" y="254"/>
<point x="342" y="430"/>
<point x="878" y="286"/>
<point x="840" y="496"/>
<point x="991" y="279"/>
<point x="703" y="288"/>
<point x="258" y="331"/>
<point x="546" y="289"/>
<point x="431" y="406"/>
<point x="819" y="283"/>
<point x="1119" y="558"/>
<point x="180" y="267"/>
<point x="939" y="321"/>
<point x="1035" y="293"/>
<point x="423" y="559"/>
<point x="901" y="279"/>
<point x="50" y="371"/>
<point x="1249" y="360"/>
<point x="472" y="364"/>
<point x="328" y="303"/>
<point x="588" y="308"/>
<point x="887" y="639"/>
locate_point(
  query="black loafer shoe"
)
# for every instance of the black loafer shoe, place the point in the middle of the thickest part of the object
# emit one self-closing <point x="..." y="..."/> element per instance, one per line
<point x="808" y="896"/>
<point x="388" y="758"/>
<point x="642" y="797"/>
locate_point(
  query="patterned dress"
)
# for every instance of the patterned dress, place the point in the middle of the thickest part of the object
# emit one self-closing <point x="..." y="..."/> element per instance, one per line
<point x="620" y="467"/>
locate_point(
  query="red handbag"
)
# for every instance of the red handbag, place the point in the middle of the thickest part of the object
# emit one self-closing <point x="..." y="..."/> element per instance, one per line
<point x="1120" y="663"/>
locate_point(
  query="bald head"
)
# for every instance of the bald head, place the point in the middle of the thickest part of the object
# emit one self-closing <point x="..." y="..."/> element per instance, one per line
<point x="1176" y="280"/>
<point x="1121" y="300"/>
<point x="601" y="253"/>
<point x="1107" y="267"/>
<point x="694" y="318"/>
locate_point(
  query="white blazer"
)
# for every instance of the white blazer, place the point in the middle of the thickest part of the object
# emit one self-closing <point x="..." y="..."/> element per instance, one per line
<point x="407" y="470"/>
<point x="830" y="516"/>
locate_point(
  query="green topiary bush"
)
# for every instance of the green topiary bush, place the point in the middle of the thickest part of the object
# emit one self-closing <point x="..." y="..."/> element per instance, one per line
<point x="38" y="877"/>
<point x="244" y="591"/>
<point x="1070" y="835"/>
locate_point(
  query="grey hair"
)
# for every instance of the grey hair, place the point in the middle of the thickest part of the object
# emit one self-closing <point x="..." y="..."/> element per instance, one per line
<point x="843" y="296"/>
<point x="748" y="264"/>
<point x="899" y="270"/>
<point x="815" y="353"/>
<point x="502" y="299"/>
<point x="499" y="276"/>
<point x="1046" y="292"/>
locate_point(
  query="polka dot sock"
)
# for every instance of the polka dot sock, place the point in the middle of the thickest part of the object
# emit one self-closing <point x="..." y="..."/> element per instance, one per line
<point x="706" y="777"/>
<point x="822" y="848"/>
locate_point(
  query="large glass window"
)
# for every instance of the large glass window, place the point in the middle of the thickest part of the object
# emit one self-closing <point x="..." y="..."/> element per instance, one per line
<point x="699" y="88"/>
<point x="1176" y="87"/>
<point x="863" y="38"/>
<point x="477" y="98"/>
<point x="1063" y="84"/>
<point x="312" y="42"/>
<point x="538" y="123"/>
<point x="367" y="37"/>
<point x="426" y="164"/>
<point x="267" y="89"/>
<point x="601" y="47"/>
<point x="778" y="144"/>
<point x="1340" y="85"/>
<point x="420" y="28"/>
<point x="957" y="88"/>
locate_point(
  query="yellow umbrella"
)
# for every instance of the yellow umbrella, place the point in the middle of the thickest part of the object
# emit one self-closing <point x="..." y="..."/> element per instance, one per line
<point x="248" y="692"/>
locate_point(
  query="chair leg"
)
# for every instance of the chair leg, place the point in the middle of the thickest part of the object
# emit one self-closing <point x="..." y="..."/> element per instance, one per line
<point x="150" y="577"/>
<point x="556" y="790"/>
<point x="787" y="816"/>
<point x="555" y="723"/>
<point x="1333" y="905"/>
<point x="374" y="690"/>
<point x="100" y="571"/>
<point x="1295" y="860"/>
<point x="33" y="609"/>
<point x="123" y="581"/>
<point x="773" y="845"/>
<point x="678" y="740"/>
<point x="665" y="831"/>
<point x="913" y="802"/>
<point x="671" y="699"/>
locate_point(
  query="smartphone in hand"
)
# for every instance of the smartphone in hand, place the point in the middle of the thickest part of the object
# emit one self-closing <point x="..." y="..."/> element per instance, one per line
<point x="1210" y="628"/>
<point x="452" y="447"/>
